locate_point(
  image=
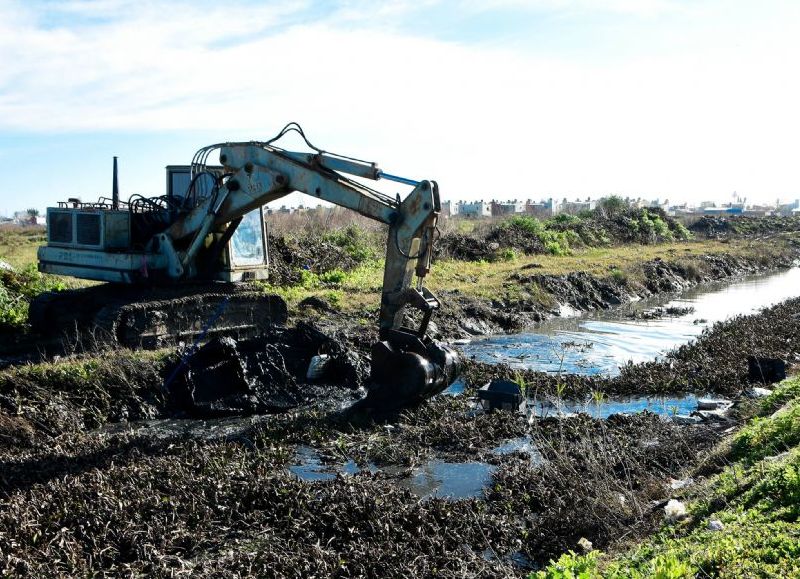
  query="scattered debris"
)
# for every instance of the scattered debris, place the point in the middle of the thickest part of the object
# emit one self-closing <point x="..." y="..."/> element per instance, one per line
<point x="501" y="395"/>
<point x="757" y="392"/>
<point x="675" y="510"/>
<point x="676" y="484"/>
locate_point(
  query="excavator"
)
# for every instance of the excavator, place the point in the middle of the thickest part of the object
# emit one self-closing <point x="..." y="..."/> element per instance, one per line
<point x="177" y="266"/>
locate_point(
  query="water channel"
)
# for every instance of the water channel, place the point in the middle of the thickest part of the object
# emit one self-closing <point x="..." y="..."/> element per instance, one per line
<point x="600" y="342"/>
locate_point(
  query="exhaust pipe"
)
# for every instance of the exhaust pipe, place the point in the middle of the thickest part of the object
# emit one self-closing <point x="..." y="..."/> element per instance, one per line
<point x="115" y="189"/>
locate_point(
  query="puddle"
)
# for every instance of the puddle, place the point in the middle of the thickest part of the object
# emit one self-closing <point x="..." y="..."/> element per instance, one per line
<point x="600" y="342"/>
<point x="455" y="388"/>
<point x="449" y="480"/>
<point x="662" y="405"/>
<point x="309" y="466"/>
<point x="522" y="444"/>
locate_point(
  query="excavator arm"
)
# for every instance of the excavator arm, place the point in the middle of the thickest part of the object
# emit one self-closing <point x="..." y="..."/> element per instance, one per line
<point x="406" y="363"/>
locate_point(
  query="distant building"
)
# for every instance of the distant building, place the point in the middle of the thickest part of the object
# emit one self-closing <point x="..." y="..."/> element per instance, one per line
<point x="543" y="209"/>
<point x="500" y="208"/>
<point x="733" y="209"/>
<point x="789" y="208"/>
<point x="476" y="209"/>
<point x="449" y="209"/>
<point x="575" y="207"/>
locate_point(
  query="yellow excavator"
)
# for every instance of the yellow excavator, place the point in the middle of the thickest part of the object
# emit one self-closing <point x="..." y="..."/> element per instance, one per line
<point x="175" y="262"/>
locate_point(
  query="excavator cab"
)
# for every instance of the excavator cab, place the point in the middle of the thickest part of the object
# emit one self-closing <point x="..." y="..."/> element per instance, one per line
<point x="244" y="254"/>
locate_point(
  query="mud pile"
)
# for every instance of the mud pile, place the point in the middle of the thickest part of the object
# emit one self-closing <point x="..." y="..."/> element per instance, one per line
<point x="264" y="374"/>
<point x="716" y="226"/>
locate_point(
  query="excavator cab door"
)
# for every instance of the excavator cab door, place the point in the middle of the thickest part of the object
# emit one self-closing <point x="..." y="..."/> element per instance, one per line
<point x="246" y="255"/>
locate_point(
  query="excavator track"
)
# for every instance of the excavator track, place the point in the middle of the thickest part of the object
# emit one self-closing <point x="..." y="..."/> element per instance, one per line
<point x="149" y="318"/>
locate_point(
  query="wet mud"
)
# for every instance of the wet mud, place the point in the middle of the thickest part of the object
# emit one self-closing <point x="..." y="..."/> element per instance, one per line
<point x="118" y="469"/>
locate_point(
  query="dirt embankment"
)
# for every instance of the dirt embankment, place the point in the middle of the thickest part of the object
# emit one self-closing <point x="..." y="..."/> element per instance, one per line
<point x="542" y="296"/>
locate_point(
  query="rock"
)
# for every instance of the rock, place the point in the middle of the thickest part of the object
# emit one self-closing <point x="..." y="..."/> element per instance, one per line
<point x="715" y="525"/>
<point x="5" y="265"/>
<point x="719" y="416"/>
<point x="757" y="392"/>
<point x="684" y="420"/>
<point x="675" y="510"/>
<point x="316" y="303"/>
<point x="765" y="370"/>
<point x="713" y="404"/>
<point x="585" y="545"/>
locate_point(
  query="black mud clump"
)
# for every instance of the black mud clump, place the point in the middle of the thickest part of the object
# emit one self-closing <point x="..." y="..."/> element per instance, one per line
<point x="83" y="393"/>
<point x="262" y="375"/>
<point x="514" y="236"/>
<point x="464" y="247"/>
<point x="726" y="226"/>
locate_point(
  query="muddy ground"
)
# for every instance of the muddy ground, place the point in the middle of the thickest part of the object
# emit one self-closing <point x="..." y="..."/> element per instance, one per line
<point x="78" y="500"/>
<point x="100" y="474"/>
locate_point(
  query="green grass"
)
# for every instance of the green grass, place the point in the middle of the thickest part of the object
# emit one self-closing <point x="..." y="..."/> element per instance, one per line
<point x="756" y="498"/>
<point x="18" y="245"/>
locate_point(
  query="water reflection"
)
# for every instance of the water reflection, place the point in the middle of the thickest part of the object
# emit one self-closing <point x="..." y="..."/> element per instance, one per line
<point x="598" y="343"/>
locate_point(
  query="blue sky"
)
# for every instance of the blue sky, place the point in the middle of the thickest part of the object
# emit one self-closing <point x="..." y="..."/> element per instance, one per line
<point x="683" y="100"/>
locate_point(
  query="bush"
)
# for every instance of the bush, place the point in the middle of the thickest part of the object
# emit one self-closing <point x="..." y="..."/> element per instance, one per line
<point x="570" y="566"/>
<point x="335" y="276"/>
<point x="508" y="254"/>
<point x="354" y="241"/>
<point x="612" y="205"/>
<point x="555" y="248"/>
<point x="17" y="289"/>
<point x="526" y="223"/>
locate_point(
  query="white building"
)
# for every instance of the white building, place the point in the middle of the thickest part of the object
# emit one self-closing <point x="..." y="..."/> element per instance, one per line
<point x="476" y="209"/>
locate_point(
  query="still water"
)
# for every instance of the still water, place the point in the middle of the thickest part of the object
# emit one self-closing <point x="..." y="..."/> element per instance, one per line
<point x="600" y="342"/>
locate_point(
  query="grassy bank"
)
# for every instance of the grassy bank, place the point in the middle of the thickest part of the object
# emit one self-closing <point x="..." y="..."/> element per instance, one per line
<point x="742" y="519"/>
<point x="359" y="288"/>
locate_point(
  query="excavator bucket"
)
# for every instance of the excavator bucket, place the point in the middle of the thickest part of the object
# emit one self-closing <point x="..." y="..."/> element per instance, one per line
<point x="407" y="370"/>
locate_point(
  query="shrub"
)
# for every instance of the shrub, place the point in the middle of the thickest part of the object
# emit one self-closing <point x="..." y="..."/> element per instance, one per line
<point x="508" y="254"/>
<point x="555" y="248"/>
<point x="354" y="241"/>
<point x="661" y="229"/>
<point x="619" y="276"/>
<point x="335" y="276"/>
<point x="17" y="289"/>
<point x="681" y="232"/>
<point x="570" y="566"/>
<point x="612" y="205"/>
<point x="526" y="223"/>
<point x="566" y="219"/>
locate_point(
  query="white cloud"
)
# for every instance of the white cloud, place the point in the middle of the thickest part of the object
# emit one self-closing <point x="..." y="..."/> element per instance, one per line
<point x="484" y="122"/>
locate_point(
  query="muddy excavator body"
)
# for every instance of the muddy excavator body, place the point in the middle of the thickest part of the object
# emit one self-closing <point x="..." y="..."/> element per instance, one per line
<point x="179" y="265"/>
